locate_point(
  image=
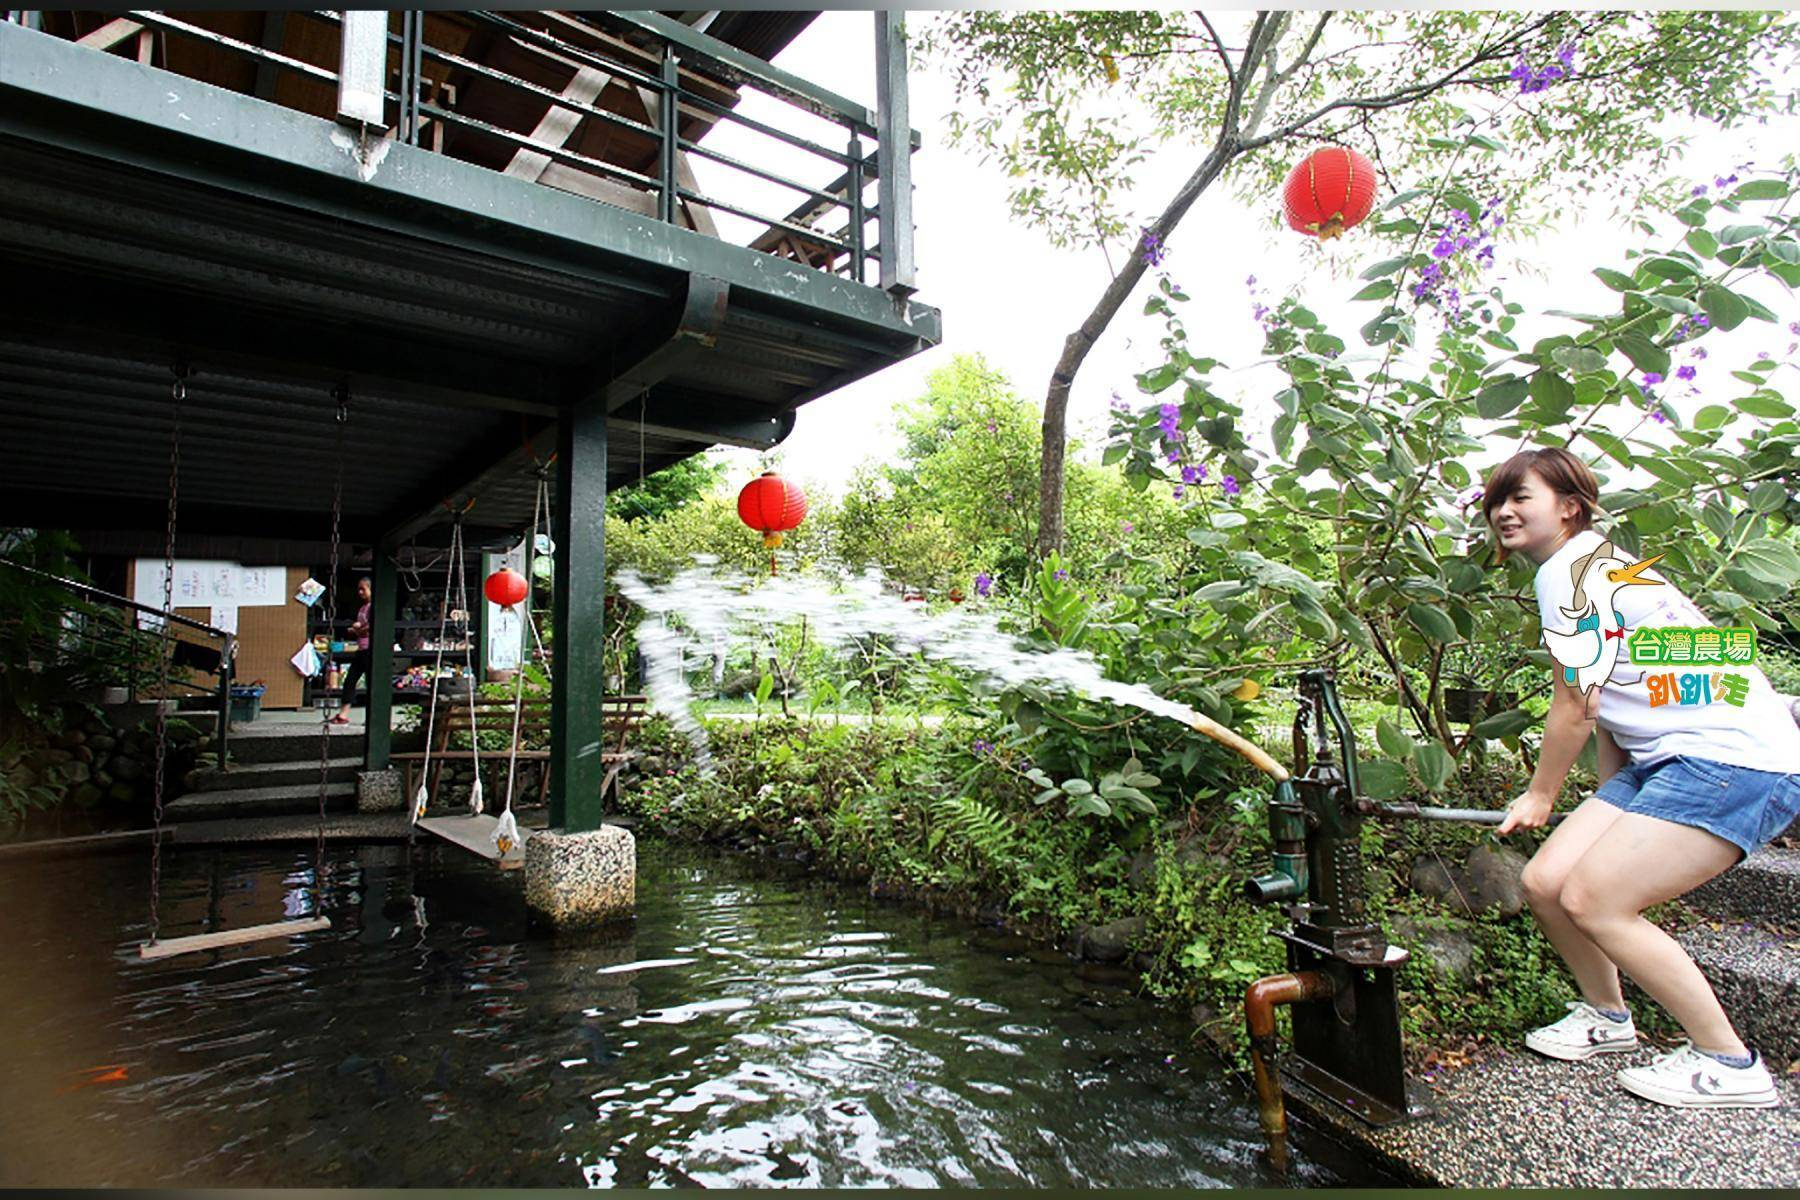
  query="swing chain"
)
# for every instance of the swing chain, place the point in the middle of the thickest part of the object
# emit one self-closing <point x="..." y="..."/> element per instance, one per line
<point x="177" y="393"/>
<point x="341" y="393"/>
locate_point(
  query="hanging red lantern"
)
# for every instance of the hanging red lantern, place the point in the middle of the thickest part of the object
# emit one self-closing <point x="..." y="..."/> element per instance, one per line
<point x="772" y="506"/>
<point x="506" y="587"/>
<point x="1330" y="191"/>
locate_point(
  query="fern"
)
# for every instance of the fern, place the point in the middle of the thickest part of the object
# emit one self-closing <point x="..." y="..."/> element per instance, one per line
<point x="980" y="827"/>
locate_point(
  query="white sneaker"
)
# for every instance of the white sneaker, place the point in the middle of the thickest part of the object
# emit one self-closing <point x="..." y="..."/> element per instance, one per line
<point x="1585" y="1032"/>
<point x="1687" y="1078"/>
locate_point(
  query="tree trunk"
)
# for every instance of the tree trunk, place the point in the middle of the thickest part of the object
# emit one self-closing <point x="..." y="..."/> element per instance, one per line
<point x="1077" y="345"/>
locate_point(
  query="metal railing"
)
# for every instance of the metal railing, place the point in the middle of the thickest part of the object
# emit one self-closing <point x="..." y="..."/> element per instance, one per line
<point x="104" y="637"/>
<point x="442" y="98"/>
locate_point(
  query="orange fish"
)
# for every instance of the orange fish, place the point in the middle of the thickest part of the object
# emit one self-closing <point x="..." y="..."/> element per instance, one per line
<point x="110" y="1073"/>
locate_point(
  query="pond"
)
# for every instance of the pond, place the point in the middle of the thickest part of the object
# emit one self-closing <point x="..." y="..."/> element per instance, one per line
<point x="750" y="1029"/>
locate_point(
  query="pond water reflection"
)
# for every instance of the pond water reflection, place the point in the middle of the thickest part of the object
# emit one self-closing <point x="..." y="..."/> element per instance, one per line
<point x="748" y="1029"/>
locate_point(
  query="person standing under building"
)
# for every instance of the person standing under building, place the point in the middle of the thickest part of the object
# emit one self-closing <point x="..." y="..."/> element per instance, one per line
<point x="359" y="661"/>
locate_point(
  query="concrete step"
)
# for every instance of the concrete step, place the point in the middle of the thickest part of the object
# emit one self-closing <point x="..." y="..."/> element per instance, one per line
<point x="1756" y="975"/>
<point x="291" y="799"/>
<point x="1765" y="886"/>
<point x="276" y="774"/>
<point x="253" y="742"/>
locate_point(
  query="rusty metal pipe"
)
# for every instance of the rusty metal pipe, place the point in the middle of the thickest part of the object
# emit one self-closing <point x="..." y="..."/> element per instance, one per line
<point x="1260" y="1000"/>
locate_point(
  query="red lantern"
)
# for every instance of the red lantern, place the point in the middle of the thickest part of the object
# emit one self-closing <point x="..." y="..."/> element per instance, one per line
<point x="1330" y="191"/>
<point x="772" y="506"/>
<point x="506" y="587"/>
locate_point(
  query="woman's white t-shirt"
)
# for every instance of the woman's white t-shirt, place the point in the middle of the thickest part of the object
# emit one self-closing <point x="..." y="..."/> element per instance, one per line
<point x="1761" y="735"/>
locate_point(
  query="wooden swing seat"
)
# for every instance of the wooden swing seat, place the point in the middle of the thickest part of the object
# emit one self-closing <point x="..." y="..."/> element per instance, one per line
<point x="167" y="948"/>
<point x="476" y="834"/>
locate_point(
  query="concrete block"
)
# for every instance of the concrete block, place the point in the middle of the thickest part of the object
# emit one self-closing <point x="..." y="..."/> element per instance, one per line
<point x="578" y="879"/>
<point x="379" y="791"/>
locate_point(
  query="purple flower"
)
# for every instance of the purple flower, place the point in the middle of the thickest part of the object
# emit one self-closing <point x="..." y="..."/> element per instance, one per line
<point x="1174" y="455"/>
<point x="1794" y="328"/>
<point x="1192" y="474"/>
<point x="1179" y="491"/>
<point x="993" y="427"/>
<point x="1230" y="484"/>
<point x="1060" y="574"/>
<point x="1657" y="416"/>
<point x="1653" y="377"/>
<point x="1443" y="248"/>
<point x="1250" y="281"/>
<point x="981" y="747"/>
<point x="1699" y="189"/>
<point x="1154" y="250"/>
<point x="1699" y="352"/>
<point x="984" y="584"/>
<point x="1685" y="372"/>
<point x="1125" y="526"/>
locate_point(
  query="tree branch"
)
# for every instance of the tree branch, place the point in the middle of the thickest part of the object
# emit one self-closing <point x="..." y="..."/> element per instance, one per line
<point x="1219" y="45"/>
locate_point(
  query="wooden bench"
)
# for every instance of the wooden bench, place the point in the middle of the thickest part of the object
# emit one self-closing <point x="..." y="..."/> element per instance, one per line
<point x="452" y="724"/>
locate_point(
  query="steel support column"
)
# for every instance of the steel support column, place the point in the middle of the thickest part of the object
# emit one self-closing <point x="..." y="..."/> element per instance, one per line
<point x="577" y="728"/>
<point x="382" y="613"/>
<point x="892" y="118"/>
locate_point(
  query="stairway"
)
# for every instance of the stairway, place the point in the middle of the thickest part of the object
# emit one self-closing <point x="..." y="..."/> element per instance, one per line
<point x="1749" y="948"/>
<point x="274" y="771"/>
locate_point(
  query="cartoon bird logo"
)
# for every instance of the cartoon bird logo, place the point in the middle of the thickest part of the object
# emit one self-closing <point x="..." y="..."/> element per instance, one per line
<point x="1585" y="653"/>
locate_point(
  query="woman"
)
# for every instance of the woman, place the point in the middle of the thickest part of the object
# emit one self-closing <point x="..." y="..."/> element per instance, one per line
<point x="359" y="661"/>
<point x="1687" y="791"/>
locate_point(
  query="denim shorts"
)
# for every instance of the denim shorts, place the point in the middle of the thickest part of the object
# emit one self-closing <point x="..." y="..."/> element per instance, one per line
<point x="1745" y="807"/>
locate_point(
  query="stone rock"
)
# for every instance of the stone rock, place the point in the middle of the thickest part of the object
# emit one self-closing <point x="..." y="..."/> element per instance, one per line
<point x="577" y="879"/>
<point x="741" y="683"/>
<point x="76" y="772"/>
<point x="1491" y="879"/>
<point x="1448" y="949"/>
<point x="103" y="778"/>
<point x="1433" y="878"/>
<point x="87" y="795"/>
<point x="55" y="755"/>
<point x="101" y="743"/>
<point x="122" y="792"/>
<point x="1110" y="943"/>
<point x="70" y="738"/>
<point x="379" y="791"/>
<point x="125" y="768"/>
<point x="84" y="754"/>
<point x="1140" y="873"/>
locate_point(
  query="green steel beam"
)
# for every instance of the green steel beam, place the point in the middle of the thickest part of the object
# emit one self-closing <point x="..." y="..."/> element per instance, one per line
<point x="84" y="101"/>
<point x="578" y="679"/>
<point x="383" y="614"/>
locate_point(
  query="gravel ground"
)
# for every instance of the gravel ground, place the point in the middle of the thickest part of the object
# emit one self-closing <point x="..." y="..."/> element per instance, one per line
<point x="1518" y="1119"/>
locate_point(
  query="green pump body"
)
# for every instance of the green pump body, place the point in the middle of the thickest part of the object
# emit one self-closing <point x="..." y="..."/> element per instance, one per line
<point x="1348" y="1050"/>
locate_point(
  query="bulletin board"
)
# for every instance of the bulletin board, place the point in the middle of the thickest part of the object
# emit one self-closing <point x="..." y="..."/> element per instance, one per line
<point x="267" y="636"/>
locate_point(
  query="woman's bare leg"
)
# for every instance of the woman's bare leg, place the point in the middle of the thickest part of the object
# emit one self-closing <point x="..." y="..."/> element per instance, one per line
<point x="1545" y="875"/>
<point x="1638" y="862"/>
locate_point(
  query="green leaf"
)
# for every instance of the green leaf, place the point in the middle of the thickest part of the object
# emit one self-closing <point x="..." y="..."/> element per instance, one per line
<point x="1731" y="235"/>
<point x="1392" y="739"/>
<point x="1385" y="267"/>
<point x="1552" y="391"/>
<point x="1381" y="289"/>
<point x="1160" y="379"/>
<point x="1770" y="560"/>
<point x="1142" y="779"/>
<point x="1769" y="496"/>
<point x="1764" y="405"/>
<point x="1727" y="309"/>
<point x="1713" y="416"/>
<point x="1434" y="763"/>
<point x="1670" y="268"/>
<point x="1432" y="621"/>
<point x="1680" y="305"/>
<point x="1702" y="243"/>
<point x="1502" y="396"/>
<point x="1615" y="447"/>
<point x="1510" y="723"/>
<point x="1076" y="787"/>
<point x="765" y="687"/>
<point x="1090" y="806"/>
<point x="1761" y="189"/>
<point x="1381" y="779"/>
<point x="1578" y="360"/>
<point x="1615" y="280"/>
<point x="1644" y="354"/>
<point x="1114" y="453"/>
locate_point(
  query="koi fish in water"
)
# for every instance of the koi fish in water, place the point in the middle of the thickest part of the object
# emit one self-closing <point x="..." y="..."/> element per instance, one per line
<point x="110" y="1073"/>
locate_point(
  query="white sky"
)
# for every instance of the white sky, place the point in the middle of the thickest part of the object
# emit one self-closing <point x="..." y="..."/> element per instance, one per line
<point x="1005" y="292"/>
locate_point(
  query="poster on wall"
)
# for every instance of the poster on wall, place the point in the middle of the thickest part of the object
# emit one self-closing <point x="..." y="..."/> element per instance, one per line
<point x="207" y="583"/>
